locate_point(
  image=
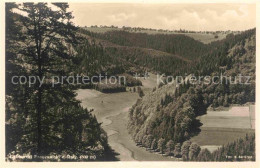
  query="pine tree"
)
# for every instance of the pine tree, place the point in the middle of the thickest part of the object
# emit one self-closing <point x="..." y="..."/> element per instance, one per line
<point x="48" y="118"/>
<point x="194" y="151"/>
<point x="149" y="141"/>
<point x="177" y="150"/>
<point x="170" y="146"/>
<point x="185" y="150"/>
<point x="161" y="145"/>
<point x="204" y="155"/>
<point x="154" y="145"/>
<point x="46" y="37"/>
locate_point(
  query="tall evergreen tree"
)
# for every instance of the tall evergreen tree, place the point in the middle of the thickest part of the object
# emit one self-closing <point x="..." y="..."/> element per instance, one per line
<point x="47" y="119"/>
<point x="46" y="36"/>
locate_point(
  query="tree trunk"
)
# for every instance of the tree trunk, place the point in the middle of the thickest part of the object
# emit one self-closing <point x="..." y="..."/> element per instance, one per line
<point x="39" y="111"/>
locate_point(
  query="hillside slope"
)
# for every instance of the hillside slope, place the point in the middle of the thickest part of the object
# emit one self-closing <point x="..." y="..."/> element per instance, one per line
<point x="138" y="57"/>
<point x="176" y="44"/>
<point x="170" y="114"/>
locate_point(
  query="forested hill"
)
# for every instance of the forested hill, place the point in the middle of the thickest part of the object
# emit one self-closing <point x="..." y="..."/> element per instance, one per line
<point x="137" y="58"/>
<point x="169" y="115"/>
<point x="220" y="54"/>
<point x="172" y="54"/>
<point x="180" y="45"/>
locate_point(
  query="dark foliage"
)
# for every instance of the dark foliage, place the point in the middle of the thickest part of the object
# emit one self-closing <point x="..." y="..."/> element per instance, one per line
<point x="40" y="119"/>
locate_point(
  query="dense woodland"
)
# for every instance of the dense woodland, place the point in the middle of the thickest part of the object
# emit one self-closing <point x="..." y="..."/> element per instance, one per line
<point x="176" y="44"/>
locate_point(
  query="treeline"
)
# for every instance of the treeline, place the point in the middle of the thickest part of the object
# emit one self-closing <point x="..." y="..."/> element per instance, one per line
<point x="42" y="120"/>
<point x="242" y="149"/>
<point x="112" y="87"/>
<point x="139" y="29"/>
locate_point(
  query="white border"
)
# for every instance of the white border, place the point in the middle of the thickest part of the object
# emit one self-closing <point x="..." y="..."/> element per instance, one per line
<point x="125" y="164"/>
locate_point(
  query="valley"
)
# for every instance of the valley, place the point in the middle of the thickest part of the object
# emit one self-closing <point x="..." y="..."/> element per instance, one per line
<point x="206" y="115"/>
<point x="112" y="111"/>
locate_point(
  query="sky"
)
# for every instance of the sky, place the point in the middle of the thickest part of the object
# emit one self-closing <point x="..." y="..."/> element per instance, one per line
<point x="198" y="17"/>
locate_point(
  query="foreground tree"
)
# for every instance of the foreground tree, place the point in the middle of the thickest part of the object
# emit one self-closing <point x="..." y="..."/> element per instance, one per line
<point x="47" y="32"/>
<point x="50" y="119"/>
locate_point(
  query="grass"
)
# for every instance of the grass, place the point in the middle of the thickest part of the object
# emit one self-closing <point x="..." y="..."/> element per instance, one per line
<point x="225" y="121"/>
<point x="235" y="117"/>
<point x="219" y="136"/>
<point x="225" y="126"/>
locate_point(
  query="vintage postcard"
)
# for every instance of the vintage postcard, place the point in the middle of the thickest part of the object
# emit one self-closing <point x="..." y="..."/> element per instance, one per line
<point x="169" y="83"/>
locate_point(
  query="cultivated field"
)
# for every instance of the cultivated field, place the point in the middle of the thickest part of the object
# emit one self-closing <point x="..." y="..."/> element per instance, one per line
<point x="222" y="127"/>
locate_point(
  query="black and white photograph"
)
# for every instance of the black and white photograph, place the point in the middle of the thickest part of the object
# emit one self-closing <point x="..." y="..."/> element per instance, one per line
<point x="115" y="81"/>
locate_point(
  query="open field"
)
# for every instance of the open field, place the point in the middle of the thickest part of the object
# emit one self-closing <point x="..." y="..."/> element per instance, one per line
<point x="105" y="106"/>
<point x="112" y="111"/>
<point x="202" y="37"/>
<point x="222" y="127"/>
<point x="235" y="117"/>
<point x="219" y="136"/>
<point x="149" y="83"/>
